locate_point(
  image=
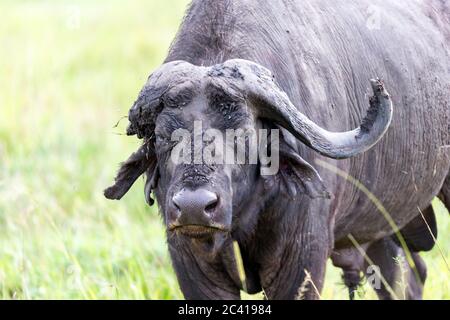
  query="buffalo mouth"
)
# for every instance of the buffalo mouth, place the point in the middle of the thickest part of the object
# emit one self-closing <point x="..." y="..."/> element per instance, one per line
<point x="198" y="231"/>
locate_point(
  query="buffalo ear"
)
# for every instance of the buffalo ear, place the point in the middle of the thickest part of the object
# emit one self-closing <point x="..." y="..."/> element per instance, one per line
<point x="296" y="175"/>
<point x="143" y="159"/>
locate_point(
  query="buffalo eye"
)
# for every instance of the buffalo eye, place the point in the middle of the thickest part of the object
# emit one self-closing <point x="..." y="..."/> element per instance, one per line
<point x="226" y="108"/>
<point x="178" y="98"/>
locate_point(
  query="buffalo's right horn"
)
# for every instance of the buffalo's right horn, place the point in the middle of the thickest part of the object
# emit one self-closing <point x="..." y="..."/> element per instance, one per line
<point x="143" y="113"/>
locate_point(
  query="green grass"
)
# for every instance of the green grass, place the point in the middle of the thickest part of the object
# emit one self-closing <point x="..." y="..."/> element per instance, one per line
<point x="69" y="70"/>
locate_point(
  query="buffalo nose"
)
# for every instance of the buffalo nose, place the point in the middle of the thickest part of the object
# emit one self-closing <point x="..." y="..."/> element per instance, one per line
<point x="195" y="206"/>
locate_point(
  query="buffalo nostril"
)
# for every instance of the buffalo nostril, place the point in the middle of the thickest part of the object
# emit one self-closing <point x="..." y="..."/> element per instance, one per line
<point x="177" y="200"/>
<point x="195" y="203"/>
<point x="211" y="205"/>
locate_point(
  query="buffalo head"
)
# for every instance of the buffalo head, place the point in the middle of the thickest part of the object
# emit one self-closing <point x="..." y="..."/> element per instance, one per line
<point x="200" y="199"/>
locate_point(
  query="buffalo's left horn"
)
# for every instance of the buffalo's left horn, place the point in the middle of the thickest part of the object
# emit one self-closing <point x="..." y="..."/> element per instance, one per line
<point x="260" y="88"/>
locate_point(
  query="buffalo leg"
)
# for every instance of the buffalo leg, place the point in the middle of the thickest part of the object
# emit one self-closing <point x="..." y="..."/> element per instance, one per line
<point x="403" y="281"/>
<point x="386" y="257"/>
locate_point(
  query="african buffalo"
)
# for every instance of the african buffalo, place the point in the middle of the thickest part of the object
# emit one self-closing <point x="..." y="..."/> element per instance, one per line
<point x="303" y="68"/>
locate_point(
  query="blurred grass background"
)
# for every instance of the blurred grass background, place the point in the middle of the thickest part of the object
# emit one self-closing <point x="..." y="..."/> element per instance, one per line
<point x="69" y="71"/>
